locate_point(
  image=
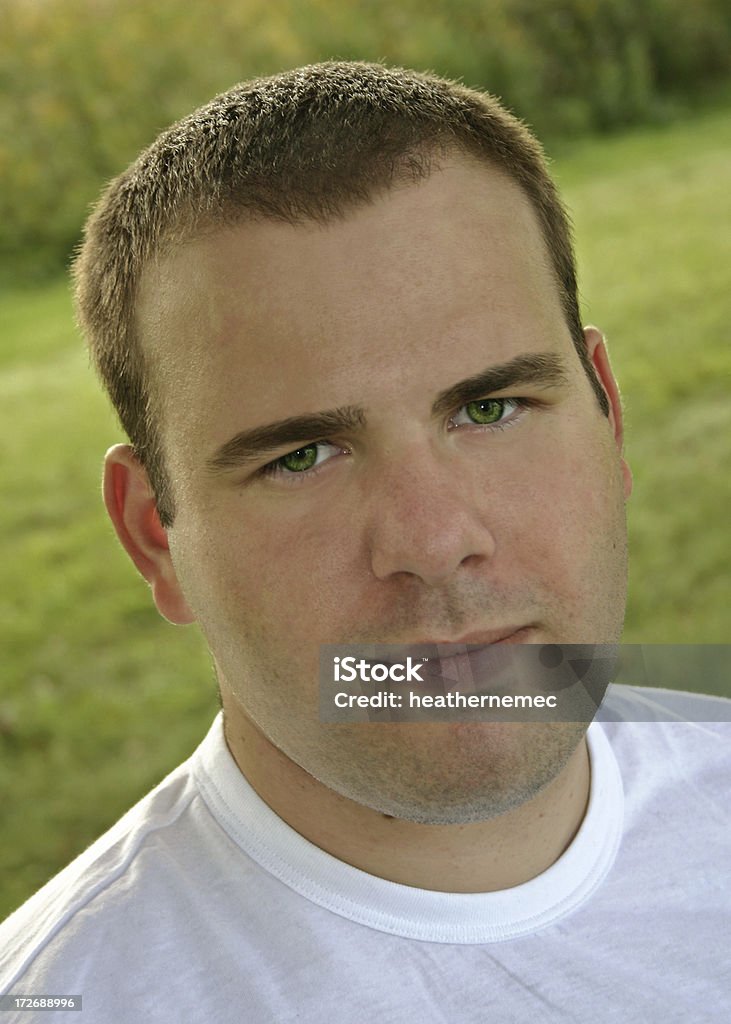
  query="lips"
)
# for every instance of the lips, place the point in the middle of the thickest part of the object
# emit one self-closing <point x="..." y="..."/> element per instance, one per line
<point x="473" y="658"/>
<point x="443" y="649"/>
<point x="483" y="638"/>
<point x="469" y="663"/>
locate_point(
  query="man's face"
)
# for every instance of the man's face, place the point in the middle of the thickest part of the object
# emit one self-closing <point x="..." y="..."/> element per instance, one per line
<point x="417" y="512"/>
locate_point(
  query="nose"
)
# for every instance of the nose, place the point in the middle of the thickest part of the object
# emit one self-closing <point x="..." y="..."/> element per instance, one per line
<point x="428" y="517"/>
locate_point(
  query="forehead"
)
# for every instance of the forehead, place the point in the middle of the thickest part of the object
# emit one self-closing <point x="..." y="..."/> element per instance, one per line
<point x="242" y="315"/>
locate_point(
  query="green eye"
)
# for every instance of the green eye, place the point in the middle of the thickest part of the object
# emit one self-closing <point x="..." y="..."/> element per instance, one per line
<point x="299" y="461"/>
<point x="487" y="410"/>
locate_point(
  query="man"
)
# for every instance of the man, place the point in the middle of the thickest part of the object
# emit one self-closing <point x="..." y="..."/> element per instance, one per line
<point x="336" y="311"/>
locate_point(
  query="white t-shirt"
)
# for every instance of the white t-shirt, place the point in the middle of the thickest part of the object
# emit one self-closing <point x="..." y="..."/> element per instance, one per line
<point x="202" y="906"/>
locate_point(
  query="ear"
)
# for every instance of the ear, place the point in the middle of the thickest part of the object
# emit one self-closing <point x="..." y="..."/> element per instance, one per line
<point x="132" y="509"/>
<point x="599" y="357"/>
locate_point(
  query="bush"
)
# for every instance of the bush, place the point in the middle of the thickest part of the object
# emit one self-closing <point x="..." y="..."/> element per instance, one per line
<point x="90" y="82"/>
<point x="606" y="64"/>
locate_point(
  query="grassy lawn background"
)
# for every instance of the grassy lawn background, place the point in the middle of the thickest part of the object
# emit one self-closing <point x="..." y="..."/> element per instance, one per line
<point x="99" y="697"/>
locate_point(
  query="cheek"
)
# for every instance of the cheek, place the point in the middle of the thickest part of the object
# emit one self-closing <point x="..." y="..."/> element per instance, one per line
<point x="568" y="512"/>
<point x="252" y="568"/>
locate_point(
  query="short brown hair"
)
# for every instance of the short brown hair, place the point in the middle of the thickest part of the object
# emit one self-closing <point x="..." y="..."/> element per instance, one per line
<point x="306" y="144"/>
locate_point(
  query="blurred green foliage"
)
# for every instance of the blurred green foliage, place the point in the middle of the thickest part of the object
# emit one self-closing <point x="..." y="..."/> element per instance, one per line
<point x="88" y="83"/>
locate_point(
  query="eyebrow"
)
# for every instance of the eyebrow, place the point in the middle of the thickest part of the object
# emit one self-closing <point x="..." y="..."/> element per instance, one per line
<point x="538" y="369"/>
<point x="251" y="445"/>
<point x="541" y="369"/>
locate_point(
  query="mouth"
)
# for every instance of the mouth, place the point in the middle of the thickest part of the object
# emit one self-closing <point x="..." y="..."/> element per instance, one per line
<point x="483" y="638"/>
<point x="475" y="657"/>
<point x="444" y="649"/>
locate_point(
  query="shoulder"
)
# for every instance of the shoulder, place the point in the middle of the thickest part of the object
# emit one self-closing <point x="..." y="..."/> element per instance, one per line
<point x="673" y="750"/>
<point x="87" y="896"/>
<point x="655" y="704"/>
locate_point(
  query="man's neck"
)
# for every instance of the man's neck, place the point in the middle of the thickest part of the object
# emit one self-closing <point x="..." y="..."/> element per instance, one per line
<point x="477" y="857"/>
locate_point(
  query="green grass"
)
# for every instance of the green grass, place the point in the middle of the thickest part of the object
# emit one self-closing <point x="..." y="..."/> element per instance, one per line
<point x="651" y="212"/>
<point x="100" y="698"/>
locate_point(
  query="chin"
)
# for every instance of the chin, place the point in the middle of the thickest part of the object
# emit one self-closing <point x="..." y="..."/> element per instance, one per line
<point x="447" y="775"/>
